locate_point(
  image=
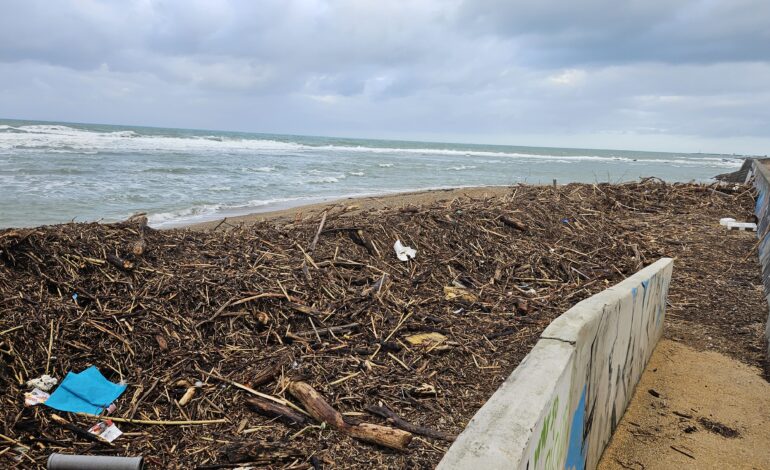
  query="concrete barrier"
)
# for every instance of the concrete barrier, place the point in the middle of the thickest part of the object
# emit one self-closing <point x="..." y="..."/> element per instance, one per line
<point x="762" y="211"/>
<point x="560" y="406"/>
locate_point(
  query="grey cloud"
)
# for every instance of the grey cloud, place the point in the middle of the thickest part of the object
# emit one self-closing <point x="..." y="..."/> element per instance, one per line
<point x="607" y="31"/>
<point x="481" y="69"/>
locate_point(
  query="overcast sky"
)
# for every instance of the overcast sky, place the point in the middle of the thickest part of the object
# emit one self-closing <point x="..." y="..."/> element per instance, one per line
<point x="679" y="75"/>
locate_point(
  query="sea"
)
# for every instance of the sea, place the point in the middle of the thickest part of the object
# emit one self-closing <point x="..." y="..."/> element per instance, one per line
<point x="56" y="172"/>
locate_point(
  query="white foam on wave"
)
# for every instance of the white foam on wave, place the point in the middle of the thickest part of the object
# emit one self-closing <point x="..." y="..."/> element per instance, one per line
<point x="357" y="173"/>
<point x="46" y="137"/>
<point x="204" y="212"/>
<point x="324" y="179"/>
<point x="462" y="167"/>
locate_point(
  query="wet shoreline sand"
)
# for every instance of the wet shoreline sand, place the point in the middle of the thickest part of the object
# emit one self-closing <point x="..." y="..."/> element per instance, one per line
<point x="352" y="206"/>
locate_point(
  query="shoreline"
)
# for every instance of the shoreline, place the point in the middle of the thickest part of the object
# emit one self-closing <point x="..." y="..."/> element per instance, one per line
<point x="353" y="205"/>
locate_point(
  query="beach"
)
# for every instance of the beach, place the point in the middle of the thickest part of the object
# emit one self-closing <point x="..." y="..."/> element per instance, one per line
<point x="351" y="207"/>
<point x="316" y="297"/>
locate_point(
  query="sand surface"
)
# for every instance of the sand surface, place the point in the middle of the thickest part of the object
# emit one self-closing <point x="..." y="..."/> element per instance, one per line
<point x="668" y="431"/>
<point x="356" y="205"/>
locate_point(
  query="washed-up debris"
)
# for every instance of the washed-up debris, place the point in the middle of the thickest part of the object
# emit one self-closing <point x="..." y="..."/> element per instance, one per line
<point x="45" y="382"/>
<point x="750" y="226"/>
<point x="80" y="462"/>
<point x="85" y="392"/>
<point x="35" y="397"/>
<point x="404" y="253"/>
<point x="233" y="315"/>
<point x="451" y="292"/>
<point x="320" y="409"/>
<point x="726" y="220"/>
<point x="106" y="430"/>
<point x="423" y="339"/>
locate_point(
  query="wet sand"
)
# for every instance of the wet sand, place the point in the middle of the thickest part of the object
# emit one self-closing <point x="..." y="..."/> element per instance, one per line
<point x="352" y="206"/>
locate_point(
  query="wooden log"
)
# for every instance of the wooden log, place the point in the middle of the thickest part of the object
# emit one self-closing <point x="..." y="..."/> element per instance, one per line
<point x="268" y="374"/>
<point x="513" y="223"/>
<point x="315" y="405"/>
<point x="274" y="410"/>
<point x="359" y="239"/>
<point x="322" y="411"/>
<point x="120" y="263"/>
<point x="400" y="422"/>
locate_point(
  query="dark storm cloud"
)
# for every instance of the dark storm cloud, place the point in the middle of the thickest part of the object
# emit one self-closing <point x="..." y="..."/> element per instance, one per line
<point x="635" y="73"/>
<point x="595" y="31"/>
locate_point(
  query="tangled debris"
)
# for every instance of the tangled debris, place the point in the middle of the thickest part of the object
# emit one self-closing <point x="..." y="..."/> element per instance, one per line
<point x="298" y="346"/>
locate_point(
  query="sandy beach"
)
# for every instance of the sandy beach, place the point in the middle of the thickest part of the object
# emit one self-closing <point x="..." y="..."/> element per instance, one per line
<point x="282" y="301"/>
<point x="353" y="206"/>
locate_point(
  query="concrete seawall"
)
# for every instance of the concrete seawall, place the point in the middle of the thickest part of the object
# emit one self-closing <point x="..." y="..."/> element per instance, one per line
<point x="560" y="406"/>
<point x="762" y="211"/>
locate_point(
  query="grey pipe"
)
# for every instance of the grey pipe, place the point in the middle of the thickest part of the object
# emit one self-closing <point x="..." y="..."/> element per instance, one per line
<point x="93" y="462"/>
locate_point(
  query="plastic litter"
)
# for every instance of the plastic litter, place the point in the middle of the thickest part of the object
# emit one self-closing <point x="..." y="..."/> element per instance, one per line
<point x="44" y="382"/>
<point x="742" y="226"/>
<point x="93" y="462"/>
<point x="404" y="253"/>
<point x="35" y="397"/>
<point x="85" y="392"/>
<point x="725" y="220"/>
<point x="106" y="430"/>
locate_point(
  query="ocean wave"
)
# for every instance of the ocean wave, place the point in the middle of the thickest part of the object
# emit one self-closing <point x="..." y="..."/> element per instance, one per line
<point x="324" y="179"/>
<point x="462" y="167"/>
<point x="49" y="137"/>
<point x="259" y="169"/>
<point x="357" y="173"/>
<point x="204" y="212"/>
<point x="175" y="170"/>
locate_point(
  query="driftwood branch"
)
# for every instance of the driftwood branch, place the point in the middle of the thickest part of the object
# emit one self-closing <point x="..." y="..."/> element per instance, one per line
<point x="401" y="423"/>
<point x="275" y="410"/>
<point x="322" y="411"/>
<point x="513" y="223"/>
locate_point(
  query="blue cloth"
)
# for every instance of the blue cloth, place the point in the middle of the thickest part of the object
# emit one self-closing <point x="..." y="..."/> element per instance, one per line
<point x="86" y="392"/>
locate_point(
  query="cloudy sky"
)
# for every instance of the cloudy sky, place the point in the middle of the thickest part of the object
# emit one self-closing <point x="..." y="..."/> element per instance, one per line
<point x="680" y="75"/>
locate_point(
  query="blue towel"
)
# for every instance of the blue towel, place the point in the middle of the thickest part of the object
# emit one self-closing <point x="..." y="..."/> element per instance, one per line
<point x="86" y="392"/>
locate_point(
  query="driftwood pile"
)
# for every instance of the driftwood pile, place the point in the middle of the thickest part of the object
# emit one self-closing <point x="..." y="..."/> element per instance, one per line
<point x="309" y="344"/>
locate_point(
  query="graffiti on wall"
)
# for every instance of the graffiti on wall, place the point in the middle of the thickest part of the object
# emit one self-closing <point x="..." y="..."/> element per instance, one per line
<point x="610" y="355"/>
<point x="551" y="445"/>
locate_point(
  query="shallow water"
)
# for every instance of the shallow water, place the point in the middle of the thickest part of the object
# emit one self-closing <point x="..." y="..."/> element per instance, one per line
<point x="57" y="172"/>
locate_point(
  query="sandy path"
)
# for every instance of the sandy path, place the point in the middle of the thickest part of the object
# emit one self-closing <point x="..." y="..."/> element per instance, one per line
<point x="657" y="432"/>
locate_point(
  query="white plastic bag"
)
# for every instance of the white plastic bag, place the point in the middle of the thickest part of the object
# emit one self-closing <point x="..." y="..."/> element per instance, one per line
<point x="404" y="253"/>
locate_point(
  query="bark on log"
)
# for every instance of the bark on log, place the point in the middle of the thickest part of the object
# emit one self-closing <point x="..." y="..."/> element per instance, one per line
<point x="322" y="411"/>
<point x="513" y="223"/>
<point x="274" y="410"/>
<point x="268" y="375"/>
<point x="120" y="263"/>
<point x="400" y="422"/>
